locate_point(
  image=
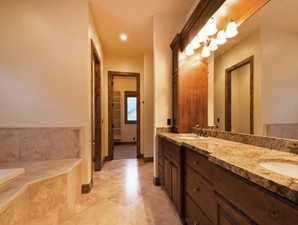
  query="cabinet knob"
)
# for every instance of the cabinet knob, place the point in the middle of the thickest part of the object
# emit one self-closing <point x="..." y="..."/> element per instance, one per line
<point x="196" y="223"/>
<point x="197" y="189"/>
<point x="273" y="214"/>
<point x="196" y="162"/>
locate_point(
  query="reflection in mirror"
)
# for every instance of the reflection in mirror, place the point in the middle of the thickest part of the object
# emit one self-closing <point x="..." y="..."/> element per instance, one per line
<point x="259" y="97"/>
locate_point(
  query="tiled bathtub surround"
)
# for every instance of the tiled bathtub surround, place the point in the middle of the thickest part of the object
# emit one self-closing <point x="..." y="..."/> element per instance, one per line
<point x="285" y="145"/>
<point x="37" y="144"/>
<point x="47" y="193"/>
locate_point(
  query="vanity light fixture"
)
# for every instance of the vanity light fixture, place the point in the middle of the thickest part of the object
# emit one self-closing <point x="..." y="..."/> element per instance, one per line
<point x="232" y="29"/>
<point x="210" y="27"/>
<point x="205" y="52"/>
<point x="221" y="37"/>
<point x="195" y="43"/>
<point x="213" y="45"/>
<point x="189" y="51"/>
<point x="181" y="56"/>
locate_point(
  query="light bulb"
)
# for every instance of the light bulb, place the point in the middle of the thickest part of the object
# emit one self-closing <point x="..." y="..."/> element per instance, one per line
<point x="202" y="37"/>
<point x="189" y="51"/>
<point x="195" y="43"/>
<point x="211" y="27"/>
<point x="181" y="56"/>
<point x="232" y="29"/>
<point x="205" y="52"/>
<point x="221" y="37"/>
<point x="213" y="45"/>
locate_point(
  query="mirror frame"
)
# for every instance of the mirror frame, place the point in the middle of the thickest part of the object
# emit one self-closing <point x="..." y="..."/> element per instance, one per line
<point x="228" y="93"/>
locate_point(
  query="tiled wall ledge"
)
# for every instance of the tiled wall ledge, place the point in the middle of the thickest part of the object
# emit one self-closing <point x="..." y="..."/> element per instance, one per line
<point x="46" y="194"/>
<point x="37" y="144"/>
<point x="286" y="145"/>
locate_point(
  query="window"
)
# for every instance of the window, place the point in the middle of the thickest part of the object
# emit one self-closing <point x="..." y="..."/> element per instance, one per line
<point x="131" y="105"/>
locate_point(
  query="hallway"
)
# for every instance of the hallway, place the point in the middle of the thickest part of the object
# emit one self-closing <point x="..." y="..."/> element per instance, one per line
<point x="123" y="194"/>
<point x="125" y="151"/>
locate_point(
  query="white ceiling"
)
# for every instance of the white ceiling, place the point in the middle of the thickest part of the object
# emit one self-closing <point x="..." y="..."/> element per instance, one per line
<point x="133" y="17"/>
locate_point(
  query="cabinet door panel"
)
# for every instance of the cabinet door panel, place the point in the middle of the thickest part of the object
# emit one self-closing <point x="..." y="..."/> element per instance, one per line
<point x="201" y="192"/>
<point x="176" y="187"/>
<point x="168" y="177"/>
<point x="229" y="215"/>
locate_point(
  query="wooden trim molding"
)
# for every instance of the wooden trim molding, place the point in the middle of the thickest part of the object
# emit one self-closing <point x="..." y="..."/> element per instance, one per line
<point x="86" y="188"/>
<point x="228" y="93"/>
<point x="148" y="159"/>
<point x="156" y="181"/>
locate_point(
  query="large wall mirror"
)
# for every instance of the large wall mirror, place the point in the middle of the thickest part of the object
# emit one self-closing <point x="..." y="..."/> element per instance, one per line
<point x="254" y="76"/>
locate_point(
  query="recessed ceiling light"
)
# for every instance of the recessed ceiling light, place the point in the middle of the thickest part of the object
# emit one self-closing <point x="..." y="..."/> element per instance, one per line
<point x="123" y="37"/>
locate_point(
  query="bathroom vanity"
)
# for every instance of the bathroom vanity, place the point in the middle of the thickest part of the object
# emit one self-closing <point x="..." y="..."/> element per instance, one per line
<point x="210" y="187"/>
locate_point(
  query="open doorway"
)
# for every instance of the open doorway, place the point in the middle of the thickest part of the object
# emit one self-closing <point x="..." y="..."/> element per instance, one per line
<point x="124" y="115"/>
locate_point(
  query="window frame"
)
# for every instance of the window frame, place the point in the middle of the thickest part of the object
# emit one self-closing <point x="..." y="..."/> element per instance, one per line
<point x="128" y="94"/>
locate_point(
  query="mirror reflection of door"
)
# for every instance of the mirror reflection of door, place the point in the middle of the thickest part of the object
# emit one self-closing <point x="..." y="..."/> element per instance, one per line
<point x="240" y="99"/>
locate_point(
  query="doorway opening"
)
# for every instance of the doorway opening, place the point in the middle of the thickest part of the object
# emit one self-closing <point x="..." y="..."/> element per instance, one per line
<point x="96" y="120"/>
<point x="124" y="115"/>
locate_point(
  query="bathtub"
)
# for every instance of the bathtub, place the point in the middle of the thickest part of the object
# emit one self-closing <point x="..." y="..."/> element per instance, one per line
<point x="7" y="175"/>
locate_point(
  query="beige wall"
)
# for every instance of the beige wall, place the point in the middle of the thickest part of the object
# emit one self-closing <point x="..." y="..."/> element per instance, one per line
<point x="165" y="27"/>
<point x="240" y="105"/>
<point x="128" y="131"/>
<point x="250" y="46"/>
<point x="280" y="79"/>
<point x="45" y="67"/>
<point x="148" y="114"/>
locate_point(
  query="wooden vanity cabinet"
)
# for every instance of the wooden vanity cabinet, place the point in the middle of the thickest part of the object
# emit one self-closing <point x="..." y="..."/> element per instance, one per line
<point x="207" y="194"/>
<point x="170" y="172"/>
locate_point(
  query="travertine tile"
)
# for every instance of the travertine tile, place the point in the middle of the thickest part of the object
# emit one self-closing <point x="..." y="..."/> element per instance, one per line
<point x="47" y="196"/>
<point x="9" y="146"/>
<point x="124" y="195"/>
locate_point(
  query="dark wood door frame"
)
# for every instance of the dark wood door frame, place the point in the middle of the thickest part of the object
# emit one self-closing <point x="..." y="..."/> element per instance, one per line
<point x="96" y="109"/>
<point x="111" y="75"/>
<point x="228" y="93"/>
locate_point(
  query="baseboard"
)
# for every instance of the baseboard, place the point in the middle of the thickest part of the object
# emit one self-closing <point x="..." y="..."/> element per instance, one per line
<point x="148" y="159"/>
<point x="107" y="158"/>
<point x="156" y="181"/>
<point x="86" y="188"/>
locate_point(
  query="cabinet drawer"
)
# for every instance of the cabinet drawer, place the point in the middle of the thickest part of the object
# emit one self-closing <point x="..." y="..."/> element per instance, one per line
<point x="199" y="163"/>
<point x="172" y="151"/>
<point x="201" y="191"/>
<point x="228" y="215"/>
<point x="193" y="214"/>
<point x="260" y="205"/>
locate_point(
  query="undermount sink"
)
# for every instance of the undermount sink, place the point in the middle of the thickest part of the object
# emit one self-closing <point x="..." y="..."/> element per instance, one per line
<point x="289" y="169"/>
<point x="190" y="137"/>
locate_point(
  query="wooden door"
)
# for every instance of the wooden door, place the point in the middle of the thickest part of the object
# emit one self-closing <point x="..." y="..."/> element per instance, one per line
<point x="95" y="109"/>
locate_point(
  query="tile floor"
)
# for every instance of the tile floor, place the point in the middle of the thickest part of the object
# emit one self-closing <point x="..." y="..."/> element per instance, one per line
<point x="124" y="195"/>
<point x="125" y="151"/>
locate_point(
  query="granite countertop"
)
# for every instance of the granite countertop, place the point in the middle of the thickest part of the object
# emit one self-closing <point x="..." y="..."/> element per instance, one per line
<point x="34" y="172"/>
<point x="243" y="160"/>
